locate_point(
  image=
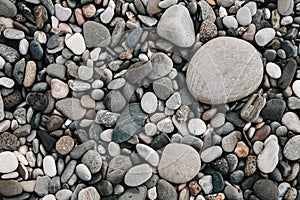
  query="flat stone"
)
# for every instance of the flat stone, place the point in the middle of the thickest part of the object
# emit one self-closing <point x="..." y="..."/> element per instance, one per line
<point x="264" y="36"/>
<point x="7" y="9"/>
<point x="265" y="189"/>
<point x="10" y="188"/>
<point x="203" y="73"/>
<point x="166" y="191"/>
<point x="28" y="186"/>
<point x="251" y="110"/>
<point x="83" y="172"/>
<point x="8" y="141"/>
<point x="291" y="121"/>
<point x="134" y="193"/>
<point x="208" y="31"/>
<point x="148" y="154"/>
<point x="268" y="159"/>
<point x="211" y="153"/>
<point x="177" y="18"/>
<point x="107" y="15"/>
<point x="85" y="72"/>
<point x="261" y="133"/>
<point x="232" y="192"/>
<point x="106" y="118"/>
<point x="138" y="175"/>
<point x="30" y="74"/>
<point x="62" y="13"/>
<point x="68" y="171"/>
<point x="207" y="12"/>
<point x="138" y="71"/>
<point x="273" y="70"/>
<point x="76" y="43"/>
<point x="274" y="109"/>
<point x="8" y="53"/>
<point x="285" y="7"/>
<point x="162" y="65"/>
<point x="71" y="108"/>
<point x="64" y="145"/>
<point x="291" y="150"/>
<point x="89" y="193"/>
<point x="296" y="88"/>
<point x="59" y="89"/>
<point x="41" y="186"/>
<point x="10" y="160"/>
<point x="49" y="166"/>
<point x="115" y="101"/>
<point x="244" y="16"/>
<point x="174" y="101"/>
<point x="96" y="34"/>
<point x="241" y="150"/>
<point x="196" y="126"/>
<point x="229" y="141"/>
<point x="165" y="125"/>
<point x="206" y="184"/>
<point x="163" y="88"/>
<point x="149" y="102"/>
<point x="63" y="194"/>
<point x="13" y="34"/>
<point x="230" y="22"/>
<point x="92" y="159"/>
<point x="56" y="70"/>
<point x="225" y="3"/>
<point x="186" y="166"/>
<point x="46" y="139"/>
<point x="287" y="74"/>
<point x="54" y="185"/>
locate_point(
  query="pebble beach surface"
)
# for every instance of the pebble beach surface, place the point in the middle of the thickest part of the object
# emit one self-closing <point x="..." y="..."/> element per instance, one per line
<point x="149" y="99"/>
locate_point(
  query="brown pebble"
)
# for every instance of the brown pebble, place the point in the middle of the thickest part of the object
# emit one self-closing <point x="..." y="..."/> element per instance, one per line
<point x="79" y="17"/>
<point x="291" y="194"/>
<point x="211" y="2"/>
<point x="250" y="32"/>
<point x="195" y="188"/>
<point x="261" y="133"/>
<point x="209" y="114"/>
<point x="152" y="7"/>
<point x="30" y="73"/>
<point x="250" y="167"/>
<point x="90" y="114"/>
<point x="259" y="125"/>
<point x="54" y="122"/>
<point x="241" y="150"/>
<point x="208" y="31"/>
<point x="41" y="16"/>
<point x="181" y="186"/>
<point x="64" y="145"/>
<point x="89" y="10"/>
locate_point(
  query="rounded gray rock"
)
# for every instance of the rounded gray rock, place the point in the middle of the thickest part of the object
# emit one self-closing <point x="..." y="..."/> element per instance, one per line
<point x="291" y="149"/>
<point x="179" y="163"/>
<point x="224" y="70"/>
<point x="96" y="34"/>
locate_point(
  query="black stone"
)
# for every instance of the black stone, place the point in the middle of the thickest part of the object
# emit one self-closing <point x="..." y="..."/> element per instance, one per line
<point x="160" y="141"/>
<point x="19" y="71"/>
<point x="36" y="50"/>
<point x="288" y="47"/>
<point x="266" y="189"/>
<point x="234" y="118"/>
<point x="274" y="109"/>
<point x="53" y="42"/>
<point x="287" y="74"/>
<point x="218" y="182"/>
<point x="248" y="183"/>
<point x="133" y="38"/>
<point x="104" y="188"/>
<point x="38" y="101"/>
<point x="12" y="100"/>
<point x="47" y="140"/>
<point x="221" y="165"/>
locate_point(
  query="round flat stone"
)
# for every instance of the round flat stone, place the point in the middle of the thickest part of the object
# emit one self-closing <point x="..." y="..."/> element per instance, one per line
<point x="291" y="149"/>
<point x="49" y="166"/>
<point x="149" y="102"/>
<point x="264" y="36"/>
<point x="10" y="160"/>
<point x="273" y="70"/>
<point x="179" y="163"/>
<point x="224" y="70"/>
<point x="138" y="175"/>
<point x="296" y="88"/>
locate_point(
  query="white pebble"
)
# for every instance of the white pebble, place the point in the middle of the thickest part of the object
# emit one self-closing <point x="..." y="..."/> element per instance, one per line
<point x="273" y="70"/>
<point x="196" y="126"/>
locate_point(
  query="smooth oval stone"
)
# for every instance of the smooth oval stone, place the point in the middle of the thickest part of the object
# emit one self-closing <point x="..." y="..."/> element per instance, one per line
<point x="10" y="160"/>
<point x="175" y="161"/>
<point x="285" y="7"/>
<point x="7" y="8"/>
<point x="176" y="26"/>
<point x="267" y="160"/>
<point x="291" y="150"/>
<point x="264" y="36"/>
<point x="224" y="70"/>
<point x="138" y="175"/>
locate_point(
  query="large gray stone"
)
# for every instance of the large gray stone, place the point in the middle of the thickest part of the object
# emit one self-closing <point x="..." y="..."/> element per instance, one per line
<point x="224" y="70"/>
<point x="176" y="26"/>
<point x="291" y="149"/>
<point x="96" y="34"/>
<point x="179" y="163"/>
<point x="285" y="7"/>
<point x="7" y="8"/>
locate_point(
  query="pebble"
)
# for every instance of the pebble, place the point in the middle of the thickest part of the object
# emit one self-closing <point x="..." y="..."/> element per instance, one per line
<point x="287" y="74"/>
<point x="166" y="191"/>
<point x="10" y="188"/>
<point x="62" y="13"/>
<point x="107" y="15"/>
<point x="285" y="7"/>
<point x="6" y="82"/>
<point x="36" y="50"/>
<point x="225" y="3"/>
<point x="252" y="7"/>
<point x="59" y="89"/>
<point x="30" y="74"/>
<point x="273" y="70"/>
<point x="230" y="22"/>
<point x="163" y="88"/>
<point x="296" y="88"/>
<point x="138" y="71"/>
<point x="138" y="175"/>
<point x="232" y="192"/>
<point x="290" y="151"/>
<point x="174" y="101"/>
<point x="244" y="16"/>
<point x="63" y="194"/>
<point x="171" y="164"/>
<point x="10" y="160"/>
<point x="224" y="94"/>
<point x="149" y="102"/>
<point x="291" y="121"/>
<point x="13" y="34"/>
<point x="71" y="108"/>
<point x="241" y="150"/>
<point x="207" y="12"/>
<point x="64" y="145"/>
<point x="206" y="184"/>
<point x="264" y="36"/>
<point x="268" y="159"/>
<point x="89" y="10"/>
<point x="92" y="159"/>
<point x="211" y="153"/>
<point x="56" y="70"/>
<point x="89" y="193"/>
<point x="196" y="126"/>
<point x="8" y="53"/>
<point x="265" y="189"/>
<point x="83" y="172"/>
<point x="229" y="141"/>
<point x="49" y="166"/>
<point x="76" y="43"/>
<point x="208" y="31"/>
<point x="165" y="125"/>
<point x="169" y="21"/>
<point x="274" y="109"/>
<point x="162" y="65"/>
<point x="96" y="34"/>
<point x="41" y="186"/>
